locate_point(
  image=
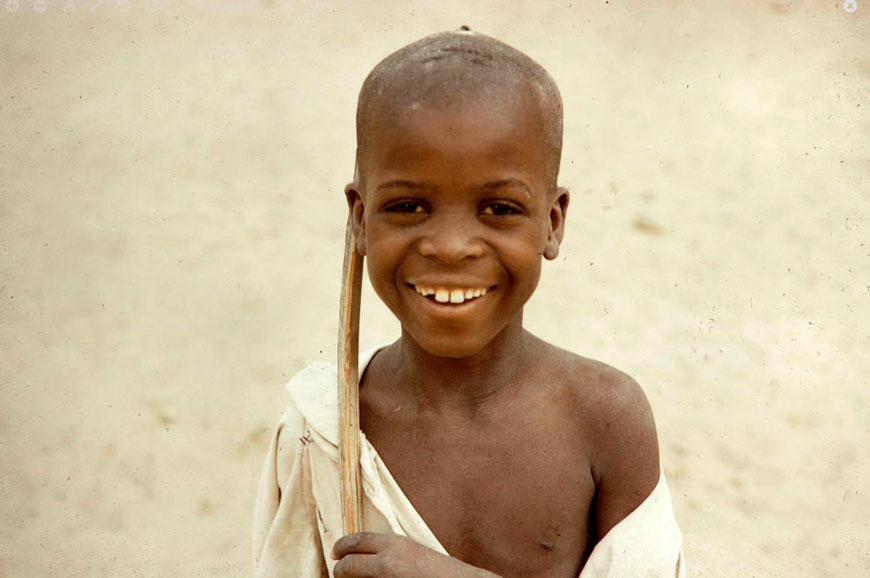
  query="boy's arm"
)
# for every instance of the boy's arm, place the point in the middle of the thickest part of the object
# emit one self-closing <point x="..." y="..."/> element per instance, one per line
<point x="626" y="463"/>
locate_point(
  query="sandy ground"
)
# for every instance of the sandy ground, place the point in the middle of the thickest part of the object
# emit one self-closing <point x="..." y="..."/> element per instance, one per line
<point x="171" y="221"/>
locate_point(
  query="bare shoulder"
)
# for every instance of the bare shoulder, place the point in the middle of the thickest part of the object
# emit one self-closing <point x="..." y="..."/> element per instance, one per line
<point x="617" y="423"/>
<point x="616" y="398"/>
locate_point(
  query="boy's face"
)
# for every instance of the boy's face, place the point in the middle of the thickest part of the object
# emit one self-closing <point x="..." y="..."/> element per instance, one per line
<point x="458" y="210"/>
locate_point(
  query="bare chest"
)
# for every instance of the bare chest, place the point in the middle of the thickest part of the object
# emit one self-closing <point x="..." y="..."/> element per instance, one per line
<point x="514" y="500"/>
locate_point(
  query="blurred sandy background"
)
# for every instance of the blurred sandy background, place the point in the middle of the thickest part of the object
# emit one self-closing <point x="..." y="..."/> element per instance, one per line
<point x="171" y="227"/>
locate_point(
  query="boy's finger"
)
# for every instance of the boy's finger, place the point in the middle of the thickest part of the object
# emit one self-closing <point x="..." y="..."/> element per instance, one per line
<point x="358" y="543"/>
<point x="357" y="566"/>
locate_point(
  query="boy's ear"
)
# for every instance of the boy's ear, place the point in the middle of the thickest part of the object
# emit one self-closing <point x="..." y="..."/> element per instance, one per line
<point x="556" y="224"/>
<point x="357" y="215"/>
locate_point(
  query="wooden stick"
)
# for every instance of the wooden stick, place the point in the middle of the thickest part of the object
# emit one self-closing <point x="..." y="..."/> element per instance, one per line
<point x="348" y="387"/>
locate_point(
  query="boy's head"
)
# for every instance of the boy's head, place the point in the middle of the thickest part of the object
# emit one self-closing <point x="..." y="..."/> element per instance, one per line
<point x="448" y="69"/>
<point x="454" y="199"/>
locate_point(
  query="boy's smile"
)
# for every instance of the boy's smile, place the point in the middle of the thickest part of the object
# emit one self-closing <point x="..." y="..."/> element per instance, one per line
<point x="458" y="207"/>
<point x="449" y="295"/>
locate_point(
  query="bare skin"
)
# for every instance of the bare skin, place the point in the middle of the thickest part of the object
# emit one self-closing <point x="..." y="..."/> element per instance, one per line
<point x="519" y="456"/>
<point x="507" y="479"/>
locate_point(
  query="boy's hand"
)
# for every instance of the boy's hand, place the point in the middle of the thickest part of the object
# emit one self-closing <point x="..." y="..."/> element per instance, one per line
<point x="371" y="555"/>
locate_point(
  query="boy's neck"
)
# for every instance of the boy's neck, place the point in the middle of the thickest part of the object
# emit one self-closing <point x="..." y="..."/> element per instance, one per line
<point x="466" y="384"/>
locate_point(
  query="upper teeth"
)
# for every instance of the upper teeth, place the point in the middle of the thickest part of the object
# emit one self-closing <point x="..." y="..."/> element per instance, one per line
<point x="452" y="294"/>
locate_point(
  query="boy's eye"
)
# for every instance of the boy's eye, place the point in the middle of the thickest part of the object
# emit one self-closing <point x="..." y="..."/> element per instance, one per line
<point x="406" y="207"/>
<point x="500" y="209"/>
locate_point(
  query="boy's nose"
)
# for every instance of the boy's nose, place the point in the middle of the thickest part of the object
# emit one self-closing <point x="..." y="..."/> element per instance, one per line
<point x="451" y="240"/>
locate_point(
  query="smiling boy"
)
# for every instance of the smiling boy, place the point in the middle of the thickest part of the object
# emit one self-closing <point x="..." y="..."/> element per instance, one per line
<point x="485" y="450"/>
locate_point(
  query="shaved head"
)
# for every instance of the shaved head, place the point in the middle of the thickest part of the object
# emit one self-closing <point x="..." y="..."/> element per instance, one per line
<point x="449" y="69"/>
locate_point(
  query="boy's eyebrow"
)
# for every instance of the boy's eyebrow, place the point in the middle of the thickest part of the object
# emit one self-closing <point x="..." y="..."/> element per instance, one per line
<point x="490" y="186"/>
<point x="502" y="183"/>
<point x="400" y="184"/>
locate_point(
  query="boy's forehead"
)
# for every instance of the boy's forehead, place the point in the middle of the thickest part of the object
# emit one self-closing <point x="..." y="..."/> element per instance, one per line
<point x="497" y="96"/>
<point x="460" y="125"/>
<point x="492" y="145"/>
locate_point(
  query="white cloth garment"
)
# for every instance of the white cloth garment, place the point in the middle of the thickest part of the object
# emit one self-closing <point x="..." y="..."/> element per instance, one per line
<point x="297" y="518"/>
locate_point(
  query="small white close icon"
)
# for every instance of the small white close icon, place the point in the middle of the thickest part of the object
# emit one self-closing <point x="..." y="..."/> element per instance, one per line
<point x="850" y="5"/>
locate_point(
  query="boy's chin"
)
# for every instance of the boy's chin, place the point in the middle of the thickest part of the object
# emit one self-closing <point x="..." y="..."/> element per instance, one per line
<point x="449" y="347"/>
